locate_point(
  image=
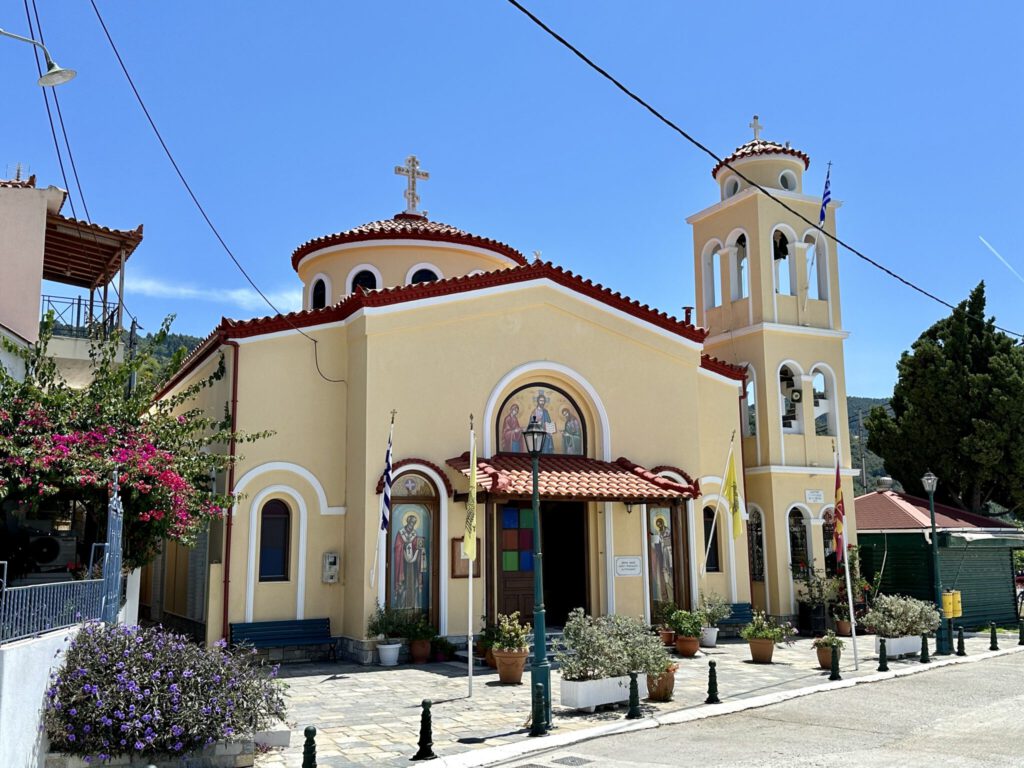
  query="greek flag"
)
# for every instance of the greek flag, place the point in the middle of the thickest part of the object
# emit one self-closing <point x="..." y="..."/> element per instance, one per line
<point x="385" y="506"/>
<point x="826" y="196"/>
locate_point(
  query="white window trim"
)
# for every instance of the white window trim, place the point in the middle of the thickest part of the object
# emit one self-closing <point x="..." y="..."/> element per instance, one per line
<point x="328" y="290"/>
<point x="422" y="265"/>
<point x="792" y="175"/>
<point x="298" y="506"/>
<point x="362" y="268"/>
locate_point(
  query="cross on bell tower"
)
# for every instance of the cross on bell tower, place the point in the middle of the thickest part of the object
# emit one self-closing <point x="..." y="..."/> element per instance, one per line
<point x="411" y="170"/>
<point x="757" y="128"/>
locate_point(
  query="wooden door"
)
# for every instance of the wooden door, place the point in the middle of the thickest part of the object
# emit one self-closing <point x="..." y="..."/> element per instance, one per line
<point x="515" y="559"/>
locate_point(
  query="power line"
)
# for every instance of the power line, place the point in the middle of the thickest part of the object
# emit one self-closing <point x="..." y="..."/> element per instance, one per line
<point x="195" y="199"/>
<point x="605" y="74"/>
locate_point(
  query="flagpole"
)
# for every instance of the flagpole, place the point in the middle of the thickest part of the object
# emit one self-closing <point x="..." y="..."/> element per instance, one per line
<point x="380" y="556"/>
<point x="714" y="520"/>
<point x="846" y="568"/>
<point x="469" y="605"/>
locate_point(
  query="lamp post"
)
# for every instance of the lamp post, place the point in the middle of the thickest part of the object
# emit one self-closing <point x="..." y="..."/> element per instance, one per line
<point x="540" y="672"/>
<point x="54" y="75"/>
<point x="930" y="481"/>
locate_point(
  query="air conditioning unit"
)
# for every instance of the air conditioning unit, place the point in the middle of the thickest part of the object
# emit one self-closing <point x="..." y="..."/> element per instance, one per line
<point x="52" y="551"/>
<point x="796" y="395"/>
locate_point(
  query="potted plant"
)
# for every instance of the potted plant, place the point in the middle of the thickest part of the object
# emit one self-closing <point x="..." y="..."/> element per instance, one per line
<point x="510" y="648"/>
<point x="660" y="687"/>
<point x="825" y="646"/>
<point x="442" y="649"/>
<point x="815" y="592"/>
<point x="841" y="616"/>
<point x="687" y="626"/>
<point x="901" y="621"/>
<point x="713" y="609"/>
<point x="420" y="634"/>
<point x="663" y="611"/>
<point x="762" y="634"/>
<point x="390" y="624"/>
<point x="485" y="643"/>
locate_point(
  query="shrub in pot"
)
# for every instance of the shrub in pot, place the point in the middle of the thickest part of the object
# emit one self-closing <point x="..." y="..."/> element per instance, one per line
<point x="902" y="621"/>
<point x="420" y="634"/>
<point x="661" y="687"/>
<point x="825" y="646"/>
<point x="687" y="626"/>
<point x="442" y="649"/>
<point x="713" y="609"/>
<point x="511" y="647"/>
<point x="663" y="611"/>
<point x="762" y="634"/>
<point x="390" y="624"/>
<point x="125" y="690"/>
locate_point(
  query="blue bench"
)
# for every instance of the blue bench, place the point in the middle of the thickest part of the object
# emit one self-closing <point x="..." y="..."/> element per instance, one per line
<point x="742" y="614"/>
<point x="278" y="634"/>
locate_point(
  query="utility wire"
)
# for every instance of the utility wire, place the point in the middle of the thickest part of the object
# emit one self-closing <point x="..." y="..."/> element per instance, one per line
<point x="195" y="199"/>
<point x="605" y="74"/>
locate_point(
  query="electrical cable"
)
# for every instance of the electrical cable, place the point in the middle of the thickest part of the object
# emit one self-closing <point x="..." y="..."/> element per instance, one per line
<point x="199" y="205"/>
<point x="605" y="74"/>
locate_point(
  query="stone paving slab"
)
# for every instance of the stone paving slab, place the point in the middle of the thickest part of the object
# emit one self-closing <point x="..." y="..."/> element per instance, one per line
<point x="371" y="715"/>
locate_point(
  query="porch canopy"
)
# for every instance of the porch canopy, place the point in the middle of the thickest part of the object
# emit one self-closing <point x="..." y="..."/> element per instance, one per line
<point x="573" y="478"/>
<point x="85" y="255"/>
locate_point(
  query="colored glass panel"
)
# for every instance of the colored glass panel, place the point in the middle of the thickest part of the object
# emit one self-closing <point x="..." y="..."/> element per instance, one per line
<point x="510" y="517"/>
<point x="510" y="539"/>
<point x="526" y="518"/>
<point x="525" y="538"/>
<point x="526" y="561"/>
<point x="509" y="561"/>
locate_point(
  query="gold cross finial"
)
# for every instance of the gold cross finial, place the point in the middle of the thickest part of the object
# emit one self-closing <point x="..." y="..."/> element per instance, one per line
<point x="757" y="128"/>
<point x="411" y="170"/>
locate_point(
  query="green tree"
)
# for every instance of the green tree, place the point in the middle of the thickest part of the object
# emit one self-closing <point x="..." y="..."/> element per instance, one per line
<point x="958" y="410"/>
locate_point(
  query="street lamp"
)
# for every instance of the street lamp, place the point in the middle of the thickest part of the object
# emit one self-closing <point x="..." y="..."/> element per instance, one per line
<point x="540" y="672"/>
<point x="55" y="75"/>
<point x="942" y="643"/>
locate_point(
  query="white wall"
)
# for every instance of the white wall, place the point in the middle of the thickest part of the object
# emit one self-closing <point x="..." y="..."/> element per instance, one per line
<point x="11" y="363"/>
<point x="25" y="668"/>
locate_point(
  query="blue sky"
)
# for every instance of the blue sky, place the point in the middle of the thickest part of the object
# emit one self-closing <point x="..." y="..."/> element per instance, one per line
<point x="288" y="120"/>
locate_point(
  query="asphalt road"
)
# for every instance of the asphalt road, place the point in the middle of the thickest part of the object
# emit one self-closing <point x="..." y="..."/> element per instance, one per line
<point x="964" y="715"/>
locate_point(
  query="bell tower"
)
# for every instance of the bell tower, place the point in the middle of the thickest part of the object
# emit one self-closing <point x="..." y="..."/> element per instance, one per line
<point x="768" y="292"/>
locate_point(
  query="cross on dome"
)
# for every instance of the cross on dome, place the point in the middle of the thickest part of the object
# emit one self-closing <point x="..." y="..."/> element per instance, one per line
<point x="757" y="128"/>
<point x="411" y="170"/>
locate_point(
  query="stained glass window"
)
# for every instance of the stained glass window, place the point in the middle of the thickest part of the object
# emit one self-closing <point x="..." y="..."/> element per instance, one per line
<point x="516" y="539"/>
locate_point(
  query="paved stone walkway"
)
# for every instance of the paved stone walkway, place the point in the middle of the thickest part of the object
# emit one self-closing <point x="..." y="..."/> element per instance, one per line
<point x="371" y="715"/>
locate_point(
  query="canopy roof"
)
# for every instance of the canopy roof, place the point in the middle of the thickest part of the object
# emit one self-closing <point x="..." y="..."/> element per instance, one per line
<point x="891" y="510"/>
<point x="83" y="254"/>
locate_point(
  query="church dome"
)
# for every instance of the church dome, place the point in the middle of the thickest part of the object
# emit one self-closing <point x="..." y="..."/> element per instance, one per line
<point x="759" y="147"/>
<point x="765" y="163"/>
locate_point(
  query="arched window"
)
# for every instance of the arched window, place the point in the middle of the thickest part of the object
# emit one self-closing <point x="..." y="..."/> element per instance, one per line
<point x="817" y="272"/>
<point x="755" y="544"/>
<point x="711" y="541"/>
<point x="711" y="265"/>
<point x="800" y="556"/>
<point x="792" y="397"/>
<point x="750" y="425"/>
<point x="412" y="555"/>
<point x="423" y="276"/>
<point x="555" y="411"/>
<point x="318" y="298"/>
<point x="824" y="403"/>
<point x="828" y="533"/>
<point x="275" y="546"/>
<point x="781" y="253"/>
<point x="740" y="269"/>
<point x="364" y="279"/>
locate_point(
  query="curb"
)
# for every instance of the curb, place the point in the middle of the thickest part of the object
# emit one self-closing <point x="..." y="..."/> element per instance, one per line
<point x="510" y="752"/>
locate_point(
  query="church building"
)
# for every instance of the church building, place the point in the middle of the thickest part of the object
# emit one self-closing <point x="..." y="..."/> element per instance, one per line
<point x="410" y="319"/>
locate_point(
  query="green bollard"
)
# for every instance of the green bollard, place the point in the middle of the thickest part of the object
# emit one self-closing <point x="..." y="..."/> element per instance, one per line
<point x="634" y="712"/>
<point x="537" y="712"/>
<point x="960" y="651"/>
<point x="712" y="685"/>
<point x="994" y="645"/>
<point x="834" y="672"/>
<point x="883" y="659"/>
<point x="925" y="658"/>
<point x="1020" y="632"/>
<point x="426" y="750"/>
<point x="309" y="748"/>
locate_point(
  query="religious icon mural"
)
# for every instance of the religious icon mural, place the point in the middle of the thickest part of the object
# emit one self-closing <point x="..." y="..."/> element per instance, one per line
<point x="410" y="552"/>
<point x="659" y="540"/>
<point x="557" y="414"/>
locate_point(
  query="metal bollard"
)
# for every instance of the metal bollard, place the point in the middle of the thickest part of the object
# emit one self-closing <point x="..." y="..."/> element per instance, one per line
<point x="834" y="672"/>
<point x="883" y="659"/>
<point x="712" y="685"/>
<point x="634" y="712"/>
<point x="925" y="658"/>
<point x="994" y="645"/>
<point x="960" y="651"/>
<point x="1020" y="632"/>
<point x="426" y="750"/>
<point x="309" y="748"/>
<point x="537" y="724"/>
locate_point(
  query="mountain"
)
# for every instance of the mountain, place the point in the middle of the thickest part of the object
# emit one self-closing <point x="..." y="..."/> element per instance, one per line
<point x="872" y="462"/>
<point x="174" y="341"/>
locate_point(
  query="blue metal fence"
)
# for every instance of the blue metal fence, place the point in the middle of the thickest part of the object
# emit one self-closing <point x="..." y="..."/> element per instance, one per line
<point x="32" y="610"/>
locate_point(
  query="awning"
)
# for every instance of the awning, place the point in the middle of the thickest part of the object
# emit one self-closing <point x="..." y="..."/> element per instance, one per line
<point x="574" y="478"/>
<point x="1006" y="539"/>
<point x="83" y="254"/>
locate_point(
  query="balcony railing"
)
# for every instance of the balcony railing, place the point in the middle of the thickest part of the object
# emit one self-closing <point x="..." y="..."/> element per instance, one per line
<point x="32" y="610"/>
<point x="79" y="318"/>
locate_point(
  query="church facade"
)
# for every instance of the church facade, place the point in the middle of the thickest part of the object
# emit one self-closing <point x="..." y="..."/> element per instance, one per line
<point x="426" y="324"/>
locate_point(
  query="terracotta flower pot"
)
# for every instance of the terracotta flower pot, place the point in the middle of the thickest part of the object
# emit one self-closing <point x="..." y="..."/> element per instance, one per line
<point x="668" y="636"/>
<point x="489" y="658"/>
<point x="419" y="650"/>
<point x="510" y="665"/>
<point x="761" y="650"/>
<point x="844" y="627"/>
<point x="687" y="647"/>
<point x="825" y="656"/>
<point x="661" y="688"/>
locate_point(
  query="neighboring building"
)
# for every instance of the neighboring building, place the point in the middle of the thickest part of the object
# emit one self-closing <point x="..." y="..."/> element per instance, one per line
<point x="433" y="322"/>
<point x="975" y="554"/>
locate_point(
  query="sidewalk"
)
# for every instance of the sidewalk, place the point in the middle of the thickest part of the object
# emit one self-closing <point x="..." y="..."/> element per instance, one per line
<point x="367" y="715"/>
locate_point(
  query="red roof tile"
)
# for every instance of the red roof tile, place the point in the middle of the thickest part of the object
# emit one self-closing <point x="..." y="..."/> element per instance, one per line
<point x="760" y="147"/>
<point x="891" y="510"/>
<point x="710" y="363"/>
<point x="405" y="463"/>
<point x="406" y="226"/>
<point x="573" y="477"/>
<point x="29" y="183"/>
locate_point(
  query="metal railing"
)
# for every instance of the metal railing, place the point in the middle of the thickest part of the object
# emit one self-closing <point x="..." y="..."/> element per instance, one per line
<point x="75" y="317"/>
<point x="32" y="610"/>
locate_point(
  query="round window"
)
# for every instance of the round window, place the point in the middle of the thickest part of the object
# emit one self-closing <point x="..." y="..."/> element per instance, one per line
<point x="732" y="186"/>
<point x="787" y="180"/>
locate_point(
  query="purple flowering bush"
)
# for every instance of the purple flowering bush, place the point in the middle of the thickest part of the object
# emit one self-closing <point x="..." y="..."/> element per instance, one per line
<point x="145" y="691"/>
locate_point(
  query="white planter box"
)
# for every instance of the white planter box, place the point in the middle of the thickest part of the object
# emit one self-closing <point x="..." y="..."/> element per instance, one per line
<point x="587" y="694"/>
<point x="900" y="646"/>
<point x="708" y="637"/>
<point x="388" y="653"/>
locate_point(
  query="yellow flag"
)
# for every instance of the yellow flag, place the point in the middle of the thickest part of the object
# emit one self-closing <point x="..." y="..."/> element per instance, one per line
<point x="469" y="542"/>
<point x="732" y="495"/>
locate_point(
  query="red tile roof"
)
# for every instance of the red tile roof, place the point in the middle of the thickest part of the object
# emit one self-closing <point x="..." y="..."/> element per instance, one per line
<point x="29" y="183"/>
<point x="573" y="477"/>
<point x="398" y="465"/>
<point x="760" y="147"/>
<point x="737" y="372"/>
<point x="891" y="510"/>
<point x="406" y="226"/>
